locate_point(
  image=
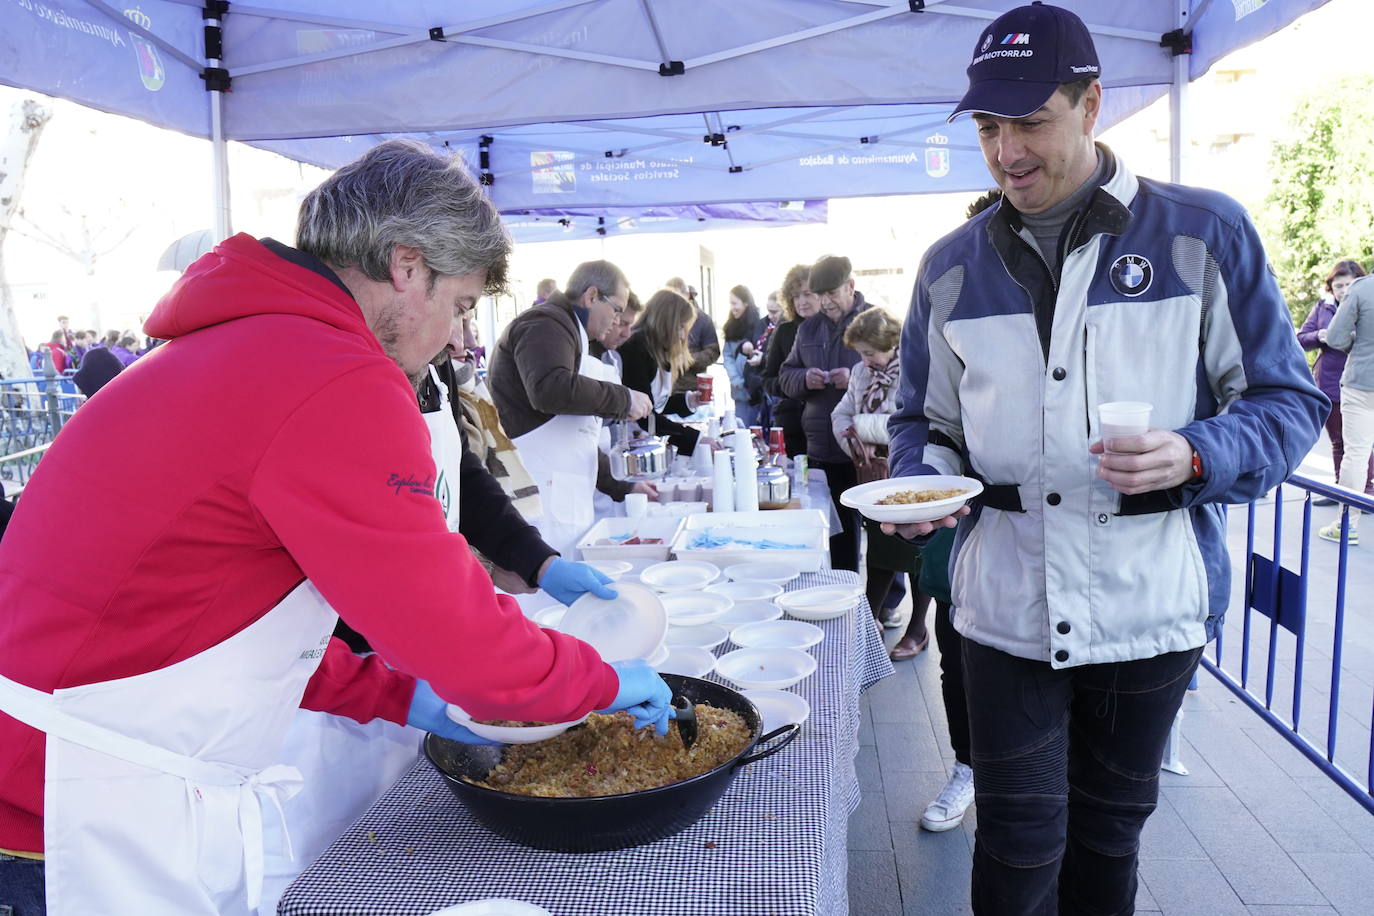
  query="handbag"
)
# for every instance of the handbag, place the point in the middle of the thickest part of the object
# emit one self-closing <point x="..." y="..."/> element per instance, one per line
<point x="869" y="469"/>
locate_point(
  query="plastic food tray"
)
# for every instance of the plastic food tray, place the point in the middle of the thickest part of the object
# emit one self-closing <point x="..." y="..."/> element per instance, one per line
<point x="638" y="554"/>
<point x="744" y="526"/>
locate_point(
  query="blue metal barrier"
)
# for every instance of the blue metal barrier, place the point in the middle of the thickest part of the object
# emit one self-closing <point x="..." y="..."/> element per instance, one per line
<point x="32" y="410"/>
<point x="1284" y="597"/>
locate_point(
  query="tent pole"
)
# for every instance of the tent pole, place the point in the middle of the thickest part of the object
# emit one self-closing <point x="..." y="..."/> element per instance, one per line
<point x="220" y="163"/>
<point x="1178" y="102"/>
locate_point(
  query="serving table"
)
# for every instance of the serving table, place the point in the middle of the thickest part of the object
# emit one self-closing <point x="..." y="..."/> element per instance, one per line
<point x="775" y="844"/>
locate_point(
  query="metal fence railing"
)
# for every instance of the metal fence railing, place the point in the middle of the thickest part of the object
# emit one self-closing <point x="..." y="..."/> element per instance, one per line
<point x="32" y="410"/>
<point x="1304" y="639"/>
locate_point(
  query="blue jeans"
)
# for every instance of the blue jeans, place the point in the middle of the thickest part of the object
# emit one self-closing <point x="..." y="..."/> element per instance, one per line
<point x="21" y="887"/>
<point x="1065" y="771"/>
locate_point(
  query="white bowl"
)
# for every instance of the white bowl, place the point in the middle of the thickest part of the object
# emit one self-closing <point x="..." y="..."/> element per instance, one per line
<point x="749" y="612"/>
<point x="775" y="668"/>
<point x="629" y="626"/>
<point x="705" y="636"/>
<point x="823" y="602"/>
<point x="550" y="616"/>
<point x="747" y="591"/>
<point x="778" y="707"/>
<point x="865" y="498"/>
<point x="659" y="657"/>
<point x="612" y="568"/>
<point x="679" y="575"/>
<point x="509" y="734"/>
<point x="688" y="661"/>
<point x="688" y="609"/>
<point x="772" y="572"/>
<point x="776" y="634"/>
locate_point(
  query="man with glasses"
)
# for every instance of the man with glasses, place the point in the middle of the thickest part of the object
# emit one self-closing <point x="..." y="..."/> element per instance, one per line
<point x="817" y="374"/>
<point x="552" y="395"/>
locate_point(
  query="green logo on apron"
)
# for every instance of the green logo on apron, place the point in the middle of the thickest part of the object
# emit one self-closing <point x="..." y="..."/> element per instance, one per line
<point x="442" y="493"/>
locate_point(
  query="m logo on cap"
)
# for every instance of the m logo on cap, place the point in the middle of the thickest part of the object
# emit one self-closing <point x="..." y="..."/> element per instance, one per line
<point x="1017" y="38"/>
<point x="1132" y="274"/>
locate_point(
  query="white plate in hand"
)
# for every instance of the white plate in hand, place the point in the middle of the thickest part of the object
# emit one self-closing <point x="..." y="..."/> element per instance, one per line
<point x="865" y="498"/>
<point x="509" y="734"/>
<point x="630" y="625"/>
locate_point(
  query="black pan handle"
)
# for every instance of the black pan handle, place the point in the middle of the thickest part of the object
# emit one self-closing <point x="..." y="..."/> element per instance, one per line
<point x="791" y="730"/>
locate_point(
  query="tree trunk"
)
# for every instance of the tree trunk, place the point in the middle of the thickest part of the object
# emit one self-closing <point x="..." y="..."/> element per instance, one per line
<point x="17" y="143"/>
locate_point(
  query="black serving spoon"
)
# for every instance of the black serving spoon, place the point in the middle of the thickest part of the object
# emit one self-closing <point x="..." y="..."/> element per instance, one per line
<point x="686" y="721"/>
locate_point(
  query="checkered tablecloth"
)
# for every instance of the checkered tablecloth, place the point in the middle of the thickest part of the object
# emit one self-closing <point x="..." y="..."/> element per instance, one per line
<point x="774" y="844"/>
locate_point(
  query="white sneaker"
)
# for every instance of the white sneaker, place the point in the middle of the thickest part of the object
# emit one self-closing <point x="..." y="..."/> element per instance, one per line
<point x="947" y="811"/>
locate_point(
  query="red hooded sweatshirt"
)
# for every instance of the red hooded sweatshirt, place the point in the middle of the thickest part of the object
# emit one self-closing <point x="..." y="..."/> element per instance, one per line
<point x="270" y="440"/>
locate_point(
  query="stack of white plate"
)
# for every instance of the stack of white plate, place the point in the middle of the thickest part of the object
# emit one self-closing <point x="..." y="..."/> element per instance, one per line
<point x="823" y="602"/>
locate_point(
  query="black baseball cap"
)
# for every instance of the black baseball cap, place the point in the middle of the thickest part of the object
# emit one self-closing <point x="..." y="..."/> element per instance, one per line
<point x="1023" y="57"/>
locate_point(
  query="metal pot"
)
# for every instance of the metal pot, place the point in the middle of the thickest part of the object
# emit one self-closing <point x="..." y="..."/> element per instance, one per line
<point x="612" y="821"/>
<point x="646" y="458"/>
<point x="775" y="487"/>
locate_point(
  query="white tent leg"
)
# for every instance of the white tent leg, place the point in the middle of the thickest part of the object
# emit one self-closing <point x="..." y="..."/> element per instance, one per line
<point x="1178" y="103"/>
<point x="220" y="163"/>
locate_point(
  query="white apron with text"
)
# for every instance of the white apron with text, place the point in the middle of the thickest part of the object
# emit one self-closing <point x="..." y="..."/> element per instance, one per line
<point x="156" y="784"/>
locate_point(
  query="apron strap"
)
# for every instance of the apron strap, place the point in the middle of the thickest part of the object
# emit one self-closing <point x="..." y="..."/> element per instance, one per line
<point x="275" y="784"/>
<point x="443" y="389"/>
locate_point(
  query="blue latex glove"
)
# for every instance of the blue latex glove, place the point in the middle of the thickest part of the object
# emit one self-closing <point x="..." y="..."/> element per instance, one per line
<point x="569" y="581"/>
<point x="427" y="712"/>
<point x="643" y="694"/>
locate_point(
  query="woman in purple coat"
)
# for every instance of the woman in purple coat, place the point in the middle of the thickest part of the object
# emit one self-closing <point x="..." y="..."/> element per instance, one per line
<point x="1331" y="363"/>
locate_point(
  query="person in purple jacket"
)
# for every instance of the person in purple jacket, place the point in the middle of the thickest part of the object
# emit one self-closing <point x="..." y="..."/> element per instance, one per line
<point x="1331" y="363"/>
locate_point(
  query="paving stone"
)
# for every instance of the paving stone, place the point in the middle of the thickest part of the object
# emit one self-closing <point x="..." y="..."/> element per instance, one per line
<point x="1166" y="836"/>
<point x="1144" y="900"/>
<point x="872" y="885"/>
<point x="1200" y="772"/>
<point x="1292" y="911"/>
<point x="867" y="767"/>
<point x="907" y="746"/>
<point x="1294" y="821"/>
<point x="1331" y="798"/>
<point x="1189" y="887"/>
<point x="868" y="828"/>
<point x="866" y="735"/>
<point x="1267" y="875"/>
<point x="1347" y="881"/>
<point x="908" y="793"/>
<point x="934" y="876"/>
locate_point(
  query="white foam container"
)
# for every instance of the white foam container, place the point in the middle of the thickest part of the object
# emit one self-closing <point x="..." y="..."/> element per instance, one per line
<point x="807" y="527"/>
<point x="638" y="555"/>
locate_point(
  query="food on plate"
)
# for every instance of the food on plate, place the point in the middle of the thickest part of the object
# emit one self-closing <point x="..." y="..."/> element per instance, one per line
<point x="906" y="497"/>
<point x="609" y="756"/>
<point x="508" y="723"/>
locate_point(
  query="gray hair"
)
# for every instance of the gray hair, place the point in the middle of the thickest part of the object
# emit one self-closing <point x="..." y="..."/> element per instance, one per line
<point x="403" y="193"/>
<point x="605" y="276"/>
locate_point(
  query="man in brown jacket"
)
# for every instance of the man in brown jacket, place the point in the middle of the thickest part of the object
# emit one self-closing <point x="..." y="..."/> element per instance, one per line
<point x="552" y="395"/>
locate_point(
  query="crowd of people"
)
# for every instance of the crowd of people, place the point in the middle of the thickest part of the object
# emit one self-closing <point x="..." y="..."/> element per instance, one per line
<point x="304" y="536"/>
<point x="91" y="358"/>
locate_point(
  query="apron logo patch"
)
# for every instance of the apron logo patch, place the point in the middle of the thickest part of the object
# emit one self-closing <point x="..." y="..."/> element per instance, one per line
<point x="443" y="493"/>
<point x="420" y="487"/>
<point x="1132" y="274"/>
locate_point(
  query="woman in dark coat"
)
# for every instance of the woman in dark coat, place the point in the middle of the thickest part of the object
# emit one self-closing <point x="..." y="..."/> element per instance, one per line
<point x="798" y="304"/>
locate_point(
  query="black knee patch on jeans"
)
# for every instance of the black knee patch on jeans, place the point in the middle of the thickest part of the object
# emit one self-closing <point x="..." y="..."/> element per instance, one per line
<point x="1023" y="803"/>
<point x="1037" y="769"/>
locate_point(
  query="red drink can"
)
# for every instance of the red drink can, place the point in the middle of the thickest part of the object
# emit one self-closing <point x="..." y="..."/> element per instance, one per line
<point x="776" y="444"/>
<point x="704" y="384"/>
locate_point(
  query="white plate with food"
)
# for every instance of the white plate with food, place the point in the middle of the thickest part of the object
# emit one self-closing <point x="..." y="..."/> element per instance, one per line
<point x="631" y="625"/>
<point x="907" y="500"/>
<point x="679" y="575"/>
<point x="687" y="661"/>
<point x="705" y="636"/>
<point x="746" y="590"/>
<point x="823" y="602"/>
<point x="772" y="668"/>
<point x="509" y="734"/>
<point x="778" y="707"/>
<point x="749" y="612"/>
<point x="689" y="609"/>
<point x="777" y="634"/>
<point x="772" y="572"/>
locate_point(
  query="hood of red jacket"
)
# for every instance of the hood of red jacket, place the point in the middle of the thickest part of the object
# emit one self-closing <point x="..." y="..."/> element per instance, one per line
<point x="241" y="277"/>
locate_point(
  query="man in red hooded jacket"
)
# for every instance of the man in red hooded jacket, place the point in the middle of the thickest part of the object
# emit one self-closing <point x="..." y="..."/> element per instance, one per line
<point x="284" y="475"/>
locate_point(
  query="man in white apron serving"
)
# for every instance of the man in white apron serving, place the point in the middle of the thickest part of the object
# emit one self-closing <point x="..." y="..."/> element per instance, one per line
<point x="552" y="395"/>
<point x="285" y="479"/>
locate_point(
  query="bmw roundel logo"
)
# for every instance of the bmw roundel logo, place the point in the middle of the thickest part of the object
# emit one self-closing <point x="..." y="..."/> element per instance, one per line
<point x="1132" y="274"/>
<point x="987" y="42"/>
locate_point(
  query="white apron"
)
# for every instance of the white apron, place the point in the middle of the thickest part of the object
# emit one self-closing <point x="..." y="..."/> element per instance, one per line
<point x="347" y="765"/>
<point x="560" y="456"/>
<point x="602" y="505"/>
<point x="154" y="782"/>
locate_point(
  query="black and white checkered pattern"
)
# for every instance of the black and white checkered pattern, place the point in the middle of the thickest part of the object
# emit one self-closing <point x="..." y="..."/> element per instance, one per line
<point x="775" y="843"/>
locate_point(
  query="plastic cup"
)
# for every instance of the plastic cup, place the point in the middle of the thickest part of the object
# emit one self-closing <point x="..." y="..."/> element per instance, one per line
<point x="1123" y="418"/>
<point x="704" y="385"/>
<point x="636" y="504"/>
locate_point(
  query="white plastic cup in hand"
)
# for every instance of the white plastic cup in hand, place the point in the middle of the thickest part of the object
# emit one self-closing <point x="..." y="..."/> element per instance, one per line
<point x="636" y="505"/>
<point x="1123" y="418"/>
